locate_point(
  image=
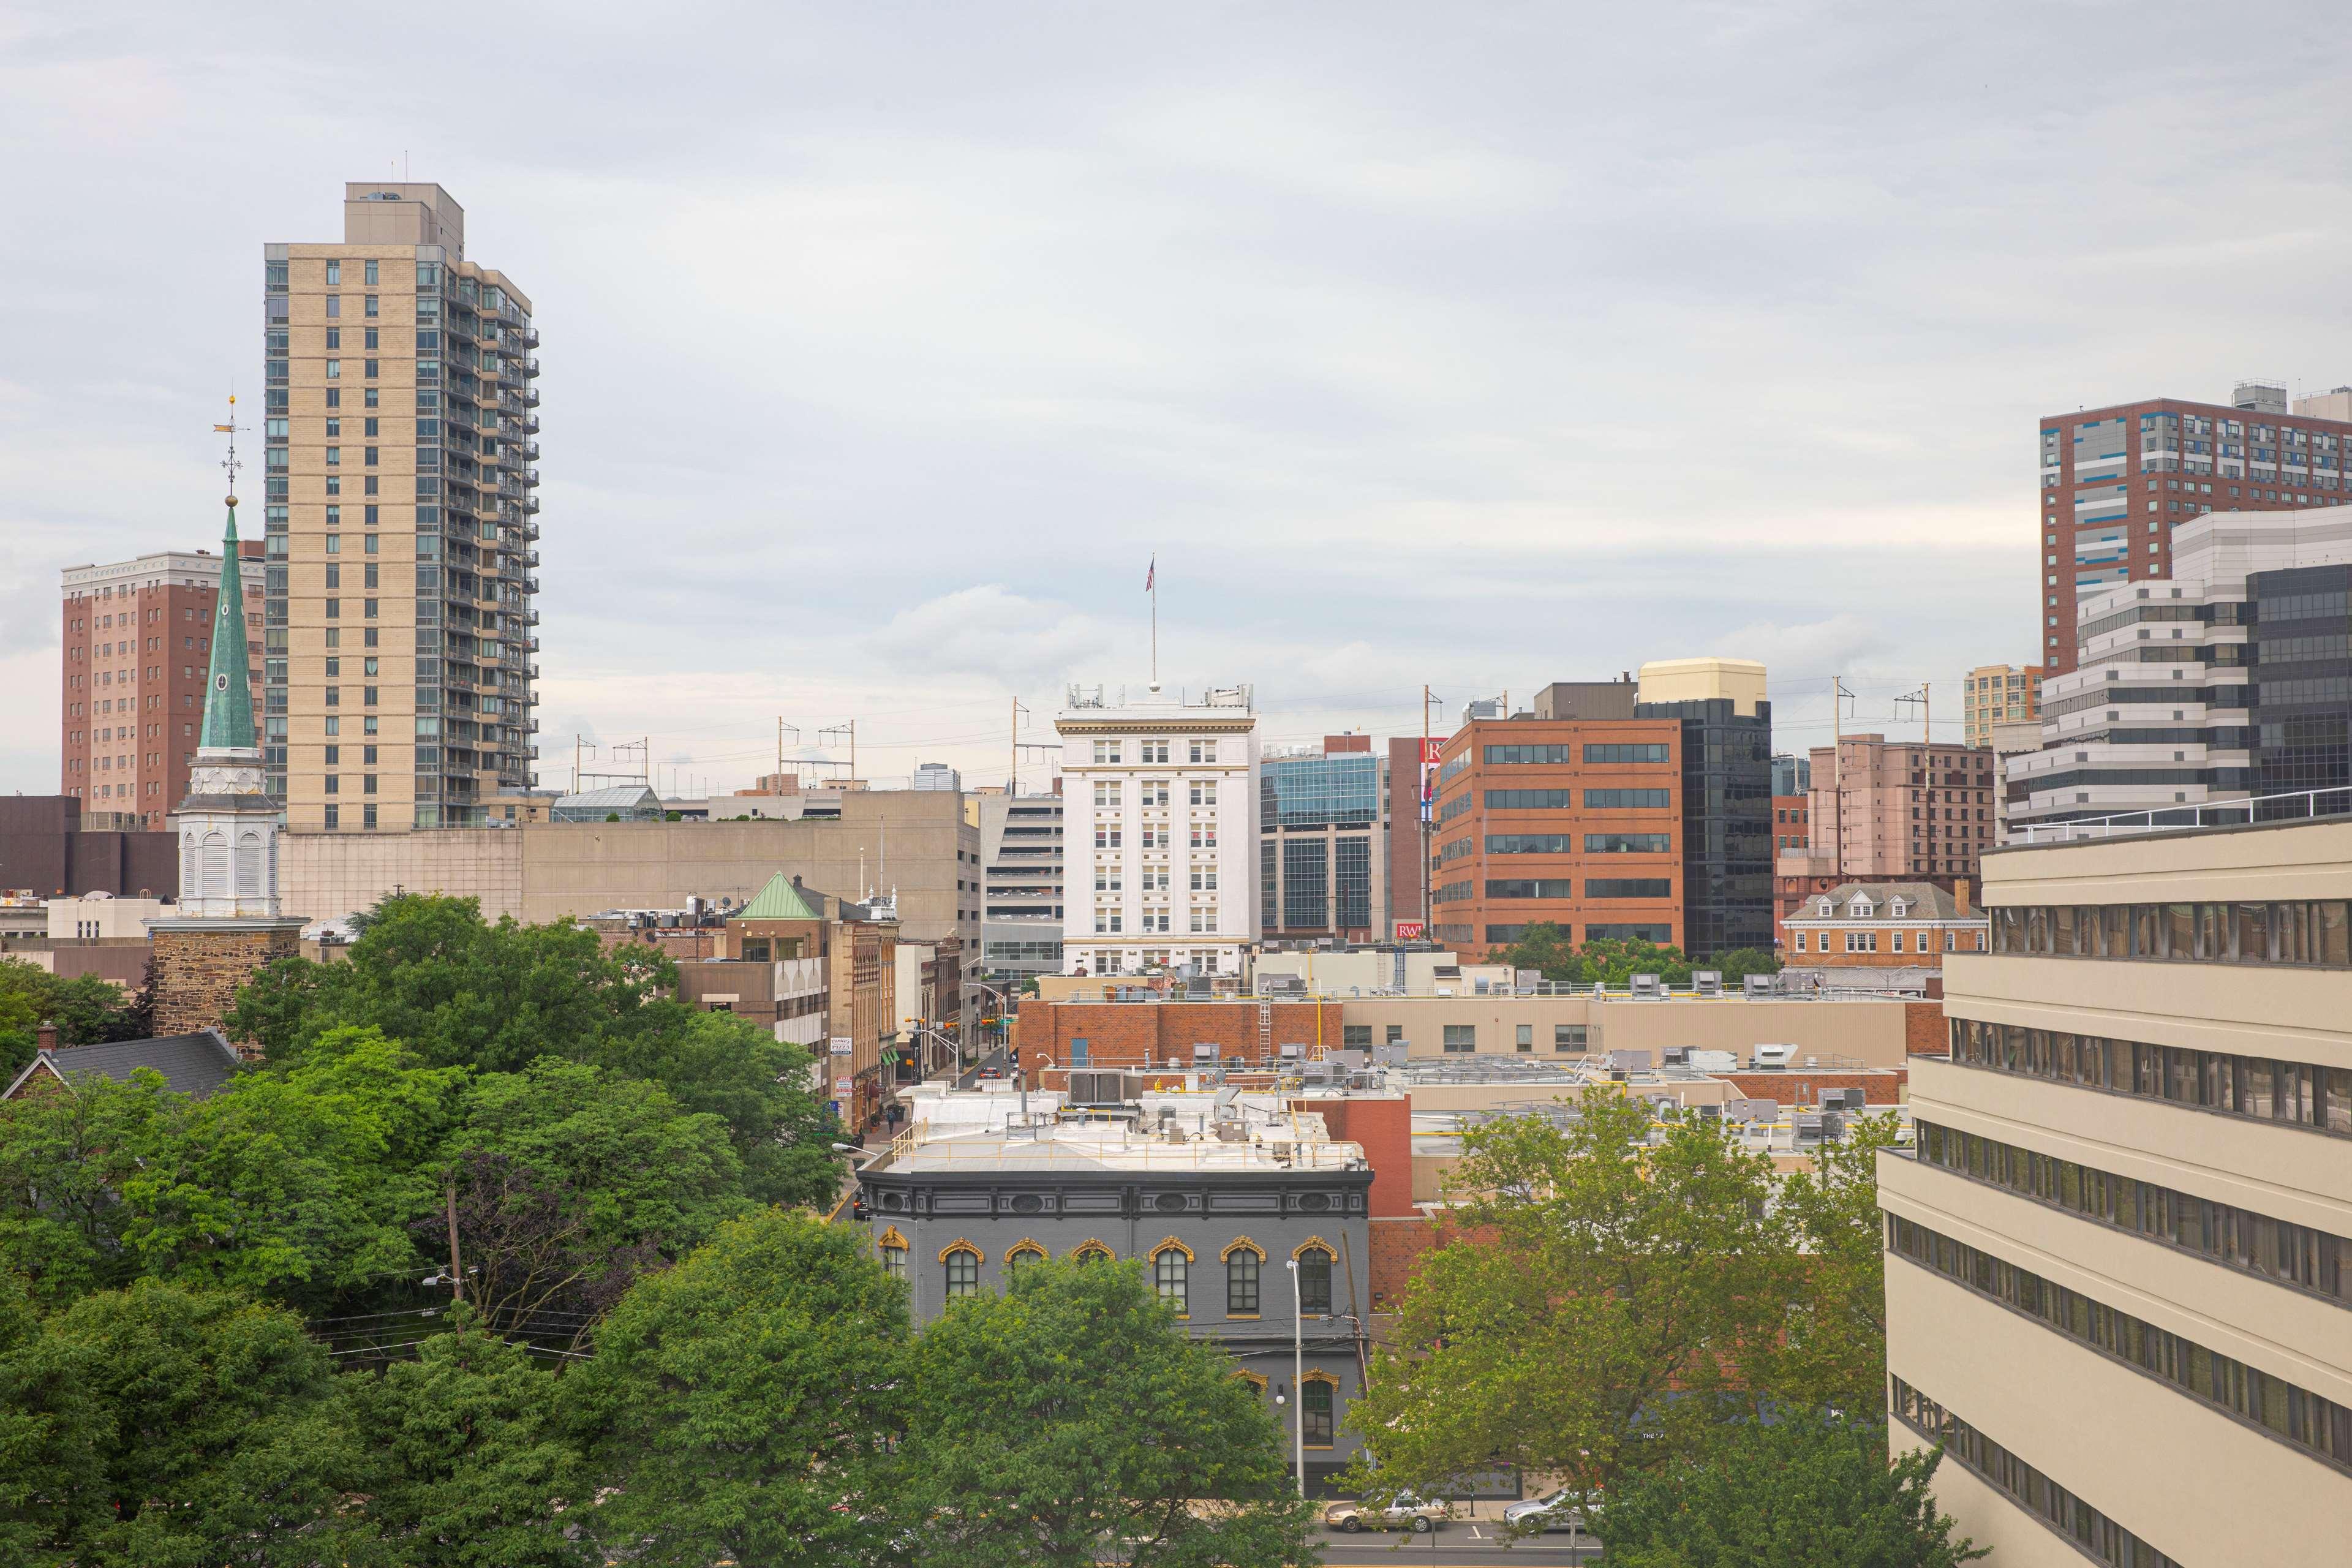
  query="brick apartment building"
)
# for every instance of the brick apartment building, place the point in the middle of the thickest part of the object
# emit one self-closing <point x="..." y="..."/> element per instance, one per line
<point x="2115" y="481"/>
<point x="137" y="637"/>
<point x="1887" y="810"/>
<point x="1574" y="821"/>
<point x="1884" y="925"/>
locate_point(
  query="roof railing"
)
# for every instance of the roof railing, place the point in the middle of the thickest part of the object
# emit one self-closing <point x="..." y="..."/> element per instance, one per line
<point x="2295" y="805"/>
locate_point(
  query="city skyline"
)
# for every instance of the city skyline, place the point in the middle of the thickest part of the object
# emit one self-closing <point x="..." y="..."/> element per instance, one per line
<point x="1398" y="381"/>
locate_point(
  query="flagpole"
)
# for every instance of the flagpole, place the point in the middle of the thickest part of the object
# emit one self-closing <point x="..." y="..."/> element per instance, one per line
<point x="1154" y="578"/>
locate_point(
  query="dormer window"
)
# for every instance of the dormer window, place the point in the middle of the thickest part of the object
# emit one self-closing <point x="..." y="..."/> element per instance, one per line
<point x="1861" y="907"/>
<point x="1895" y="908"/>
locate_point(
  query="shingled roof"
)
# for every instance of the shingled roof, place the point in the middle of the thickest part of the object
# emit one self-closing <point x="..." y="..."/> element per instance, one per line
<point x="193" y="1065"/>
<point x="1927" y="901"/>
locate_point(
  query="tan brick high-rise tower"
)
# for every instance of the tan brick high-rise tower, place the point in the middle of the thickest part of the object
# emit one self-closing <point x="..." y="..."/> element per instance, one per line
<point x="400" y="634"/>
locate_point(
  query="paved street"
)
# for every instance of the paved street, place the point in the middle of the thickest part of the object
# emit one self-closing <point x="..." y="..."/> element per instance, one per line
<point x="1460" y="1541"/>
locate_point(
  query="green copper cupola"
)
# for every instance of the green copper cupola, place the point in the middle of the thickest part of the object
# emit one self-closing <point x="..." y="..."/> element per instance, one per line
<point x="228" y="685"/>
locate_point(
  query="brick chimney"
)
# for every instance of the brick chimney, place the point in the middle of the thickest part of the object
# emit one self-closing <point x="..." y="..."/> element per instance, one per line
<point x="45" y="1037"/>
<point x="1960" y="894"/>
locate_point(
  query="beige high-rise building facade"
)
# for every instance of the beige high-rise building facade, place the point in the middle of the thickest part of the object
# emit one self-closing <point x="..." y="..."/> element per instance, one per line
<point x="2119" y="1270"/>
<point x="401" y="631"/>
<point x="1999" y="694"/>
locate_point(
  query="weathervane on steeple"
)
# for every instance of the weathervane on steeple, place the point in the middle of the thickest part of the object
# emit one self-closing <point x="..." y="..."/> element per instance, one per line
<point x="230" y="430"/>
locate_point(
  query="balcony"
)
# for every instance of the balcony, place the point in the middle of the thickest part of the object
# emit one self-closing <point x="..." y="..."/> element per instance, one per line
<point x="530" y="366"/>
<point x="530" y="476"/>
<point x="531" y="454"/>
<point x="530" y="504"/>
<point x="531" y="399"/>
<point x="531" y="427"/>
<point x="531" y="337"/>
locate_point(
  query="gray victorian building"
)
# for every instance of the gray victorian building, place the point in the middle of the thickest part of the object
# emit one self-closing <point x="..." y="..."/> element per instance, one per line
<point x="1216" y="1205"/>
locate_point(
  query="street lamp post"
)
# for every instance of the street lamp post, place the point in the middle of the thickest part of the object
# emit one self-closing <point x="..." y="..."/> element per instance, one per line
<point x="1298" y="1370"/>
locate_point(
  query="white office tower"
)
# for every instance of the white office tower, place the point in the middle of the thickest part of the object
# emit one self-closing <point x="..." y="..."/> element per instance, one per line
<point x="2192" y="690"/>
<point x="1162" y="831"/>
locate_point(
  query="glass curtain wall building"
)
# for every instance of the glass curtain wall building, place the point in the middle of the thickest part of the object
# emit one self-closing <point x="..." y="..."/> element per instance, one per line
<point x="1726" y="764"/>
<point x="1322" y="850"/>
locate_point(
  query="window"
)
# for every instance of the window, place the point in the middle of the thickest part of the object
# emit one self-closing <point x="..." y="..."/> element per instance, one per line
<point x="1628" y="887"/>
<point x="963" y="1271"/>
<point x="1105" y="751"/>
<point x="1315" y="1398"/>
<point x="369" y="275"/>
<point x="1022" y="1255"/>
<point x="1620" y="799"/>
<point x="1204" y="792"/>
<point x="1155" y="751"/>
<point x="334" y="306"/>
<point x="1200" y="750"/>
<point x="1169" y="1277"/>
<point x="1356" y="1036"/>
<point x="334" y="273"/>
<point x="1528" y="887"/>
<point x="1621" y="844"/>
<point x="1460" y="1037"/>
<point x="1526" y="1036"/>
<point x="1243" y="1266"/>
<point x="1624" y="754"/>
<point x="1093" y="1252"/>
<point x="1315" y="1280"/>
<point x="1569" y="1037"/>
<point x="1106" y="796"/>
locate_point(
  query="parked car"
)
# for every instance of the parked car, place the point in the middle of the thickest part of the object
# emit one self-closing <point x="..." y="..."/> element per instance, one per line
<point x="1562" y="1510"/>
<point x="1405" y="1512"/>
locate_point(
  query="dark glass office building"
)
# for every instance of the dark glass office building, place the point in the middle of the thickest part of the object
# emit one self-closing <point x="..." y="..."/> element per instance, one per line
<point x="2302" y="679"/>
<point x="1320" y="850"/>
<point x="1727" y="759"/>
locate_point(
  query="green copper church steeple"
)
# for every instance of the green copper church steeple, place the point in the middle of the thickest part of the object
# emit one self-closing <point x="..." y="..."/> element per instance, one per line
<point x="228" y="689"/>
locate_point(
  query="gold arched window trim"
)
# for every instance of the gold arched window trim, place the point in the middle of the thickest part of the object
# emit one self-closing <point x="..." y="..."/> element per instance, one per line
<point x="1169" y="1243"/>
<point x="1321" y="1377"/>
<point x="1027" y="1247"/>
<point x="891" y="1237"/>
<point x="1312" y="1242"/>
<point x="1253" y="1379"/>
<point x="1090" y="1247"/>
<point x="961" y="1244"/>
<point x="1240" y="1244"/>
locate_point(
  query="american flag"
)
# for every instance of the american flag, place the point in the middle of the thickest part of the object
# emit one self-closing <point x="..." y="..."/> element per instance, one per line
<point x="1150" y="573"/>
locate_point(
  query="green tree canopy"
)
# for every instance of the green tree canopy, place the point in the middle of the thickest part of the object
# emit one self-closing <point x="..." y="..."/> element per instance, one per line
<point x="458" y="991"/>
<point x="1802" y="1492"/>
<point x="429" y="971"/>
<point x="62" y="1156"/>
<point x="1072" y="1418"/>
<point x="742" y="1401"/>
<point x="1832" y="1351"/>
<point x="466" y="1463"/>
<point x="85" y="1010"/>
<point x="213" y="1435"/>
<point x="51" y="1482"/>
<point x="294" y="1185"/>
<point x="574" y="1180"/>
<point x="1594" y="1317"/>
<point x="1547" y="948"/>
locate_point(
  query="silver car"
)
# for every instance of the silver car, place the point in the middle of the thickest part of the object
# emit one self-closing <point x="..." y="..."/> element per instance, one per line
<point x="1562" y="1510"/>
<point x="1405" y="1512"/>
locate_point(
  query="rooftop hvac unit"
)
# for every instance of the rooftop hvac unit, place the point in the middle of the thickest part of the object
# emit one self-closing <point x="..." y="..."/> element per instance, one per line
<point x="1762" y="984"/>
<point x="1204" y="1054"/>
<point x="1632" y="1061"/>
<point x="1647" y="985"/>
<point x="1292" y="1053"/>
<point x="1676" y="1056"/>
<point x="1708" y="982"/>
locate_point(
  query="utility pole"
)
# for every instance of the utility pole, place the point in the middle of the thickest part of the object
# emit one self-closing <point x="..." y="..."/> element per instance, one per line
<point x="1838" y="694"/>
<point x="457" y="1274"/>
<point x="1298" y="1370"/>
<point x="850" y="729"/>
<point x="1424" y="803"/>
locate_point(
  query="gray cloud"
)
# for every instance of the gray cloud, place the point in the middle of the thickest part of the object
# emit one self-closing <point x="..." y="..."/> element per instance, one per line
<point x="885" y="347"/>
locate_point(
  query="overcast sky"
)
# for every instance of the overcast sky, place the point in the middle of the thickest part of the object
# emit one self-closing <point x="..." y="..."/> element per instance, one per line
<point x="1478" y="345"/>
